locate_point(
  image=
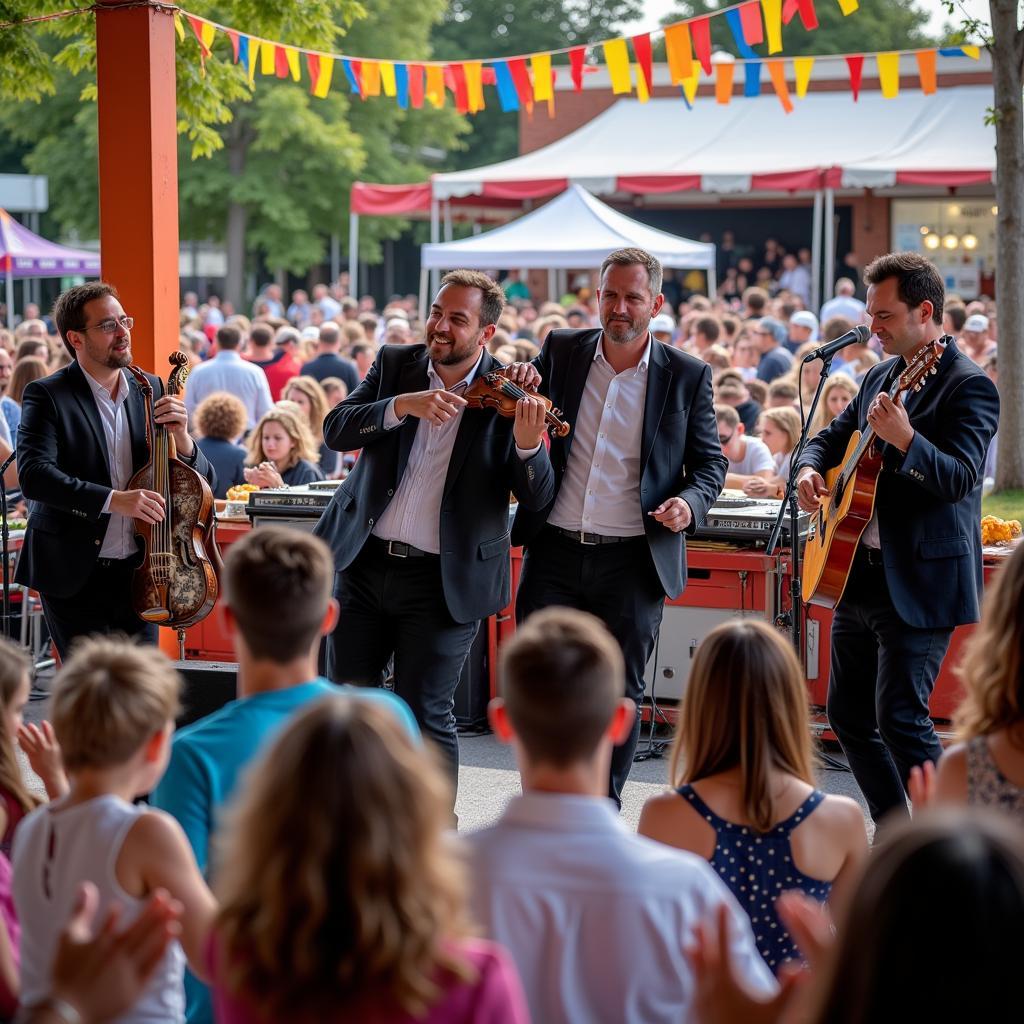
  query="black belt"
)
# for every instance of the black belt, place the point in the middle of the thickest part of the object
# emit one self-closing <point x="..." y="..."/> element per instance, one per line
<point x="396" y="549"/>
<point x="581" y="537"/>
<point x="114" y="563"/>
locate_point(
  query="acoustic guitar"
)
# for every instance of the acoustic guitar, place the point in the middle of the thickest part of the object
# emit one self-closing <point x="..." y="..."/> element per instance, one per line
<point x="845" y="511"/>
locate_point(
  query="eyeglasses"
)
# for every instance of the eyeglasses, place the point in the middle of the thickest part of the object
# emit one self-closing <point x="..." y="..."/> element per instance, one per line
<point x="110" y="326"/>
<point x="723" y="441"/>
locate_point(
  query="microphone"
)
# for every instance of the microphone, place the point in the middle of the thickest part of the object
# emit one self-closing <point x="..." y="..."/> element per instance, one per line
<point x="858" y="336"/>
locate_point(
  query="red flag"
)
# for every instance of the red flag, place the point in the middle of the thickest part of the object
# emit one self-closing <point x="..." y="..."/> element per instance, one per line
<point x="750" y="19"/>
<point x="521" y="79"/>
<point x="577" y="57"/>
<point x="808" y="15"/>
<point x="280" y="62"/>
<point x="700" y="33"/>
<point x="642" y="51"/>
<point x="856" y="65"/>
<point x="313" y="64"/>
<point x="233" y="36"/>
<point x="789" y="9"/>
<point x="416" y="85"/>
<point x="458" y="86"/>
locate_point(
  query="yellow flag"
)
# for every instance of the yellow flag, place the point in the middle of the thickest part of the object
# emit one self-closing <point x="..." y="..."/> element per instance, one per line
<point x="254" y="53"/>
<point x="434" y="87"/>
<point x="802" y="68"/>
<point x="209" y="31"/>
<point x="773" y="23"/>
<point x="848" y="6"/>
<point x="293" y="62"/>
<point x="641" y="84"/>
<point x="971" y="51"/>
<point x="616" y="56"/>
<point x="690" y="85"/>
<point x="268" y="66"/>
<point x="474" y="71"/>
<point x="540" y="63"/>
<point x="179" y="28"/>
<point x="889" y="74"/>
<point x="323" y="82"/>
<point x="387" y="78"/>
<point x="371" y="78"/>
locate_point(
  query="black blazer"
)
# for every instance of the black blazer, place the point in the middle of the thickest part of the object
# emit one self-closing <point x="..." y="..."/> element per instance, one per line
<point x="227" y="459"/>
<point x="483" y="469"/>
<point x="929" y="502"/>
<point x="63" y="469"/>
<point x="679" y="451"/>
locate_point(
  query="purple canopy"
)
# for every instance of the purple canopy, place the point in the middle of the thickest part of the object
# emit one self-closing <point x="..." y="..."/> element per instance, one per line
<point x="23" y="254"/>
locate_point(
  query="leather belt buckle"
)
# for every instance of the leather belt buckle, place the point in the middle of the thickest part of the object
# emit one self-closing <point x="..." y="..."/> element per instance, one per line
<point x="397" y="549"/>
<point x="589" y="543"/>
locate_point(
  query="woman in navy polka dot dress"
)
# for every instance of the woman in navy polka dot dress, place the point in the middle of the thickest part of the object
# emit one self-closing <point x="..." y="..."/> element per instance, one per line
<point x="745" y="796"/>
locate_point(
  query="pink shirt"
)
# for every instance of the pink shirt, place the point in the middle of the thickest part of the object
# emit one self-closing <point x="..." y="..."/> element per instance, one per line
<point x="495" y="996"/>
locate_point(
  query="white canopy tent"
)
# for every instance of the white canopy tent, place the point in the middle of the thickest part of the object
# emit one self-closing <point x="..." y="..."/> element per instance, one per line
<point x="574" y="230"/>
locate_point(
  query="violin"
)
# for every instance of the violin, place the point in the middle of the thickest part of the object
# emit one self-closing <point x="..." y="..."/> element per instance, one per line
<point x="496" y="390"/>
<point x="177" y="583"/>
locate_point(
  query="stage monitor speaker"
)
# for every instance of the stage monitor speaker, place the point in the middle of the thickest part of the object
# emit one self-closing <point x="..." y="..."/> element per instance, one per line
<point x="209" y="685"/>
<point x="474" y="688"/>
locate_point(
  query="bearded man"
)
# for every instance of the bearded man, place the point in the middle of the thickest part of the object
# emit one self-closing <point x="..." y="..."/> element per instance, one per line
<point x="419" y="528"/>
<point x="641" y="466"/>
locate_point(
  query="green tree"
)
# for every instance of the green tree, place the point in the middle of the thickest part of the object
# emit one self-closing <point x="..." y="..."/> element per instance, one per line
<point x="876" y="25"/>
<point x="475" y="29"/>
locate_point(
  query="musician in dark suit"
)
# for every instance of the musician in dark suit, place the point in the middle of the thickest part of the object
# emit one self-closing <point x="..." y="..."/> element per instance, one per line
<point x="82" y="437"/>
<point x="641" y="465"/>
<point x="917" y="572"/>
<point x="420" y="528"/>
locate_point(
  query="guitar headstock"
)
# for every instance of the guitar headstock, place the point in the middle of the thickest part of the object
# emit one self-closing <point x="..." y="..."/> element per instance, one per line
<point x="923" y="365"/>
<point x="178" y="376"/>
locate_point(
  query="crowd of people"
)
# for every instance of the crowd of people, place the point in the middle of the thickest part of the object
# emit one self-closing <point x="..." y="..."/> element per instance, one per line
<point x="295" y="859"/>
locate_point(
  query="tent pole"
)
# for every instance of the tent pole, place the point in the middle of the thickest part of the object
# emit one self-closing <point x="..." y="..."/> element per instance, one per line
<point x="435" y="237"/>
<point x="712" y="283"/>
<point x="553" y="295"/>
<point x="816" y="302"/>
<point x="447" y="220"/>
<point x="10" y="295"/>
<point x="353" y="255"/>
<point x="830" y="241"/>
<point x="423" y="295"/>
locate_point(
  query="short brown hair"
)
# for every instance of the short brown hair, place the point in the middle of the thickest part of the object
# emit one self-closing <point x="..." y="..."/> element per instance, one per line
<point x="957" y="313"/>
<point x="492" y="298"/>
<point x="68" y="309"/>
<point x="917" y="279"/>
<point x="229" y="336"/>
<point x="709" y="327"/>
<point x="221" y="415"/>
<point x="262" y="335"/>
<point x="561" y="664"/>
<point x="755" y="299"/>
<point x="630" y="258"/>
<point x="728" y="415"/>
<point x="109" y="698"/>
<point x="277" y="583"/>
<point x="784" y="389"/>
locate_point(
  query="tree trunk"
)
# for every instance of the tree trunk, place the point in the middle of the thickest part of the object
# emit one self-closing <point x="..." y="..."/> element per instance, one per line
<point x="238" y="144"/>
<point x="1007" y="53"/>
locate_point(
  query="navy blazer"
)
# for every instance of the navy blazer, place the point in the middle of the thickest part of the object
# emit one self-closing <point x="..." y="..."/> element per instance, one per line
<point x="482" y="470"/>
<point x="227" y="459"/>
<point x="679" y="450"/>
<point x="929" y="502"/>
<point x="65" y="474"/>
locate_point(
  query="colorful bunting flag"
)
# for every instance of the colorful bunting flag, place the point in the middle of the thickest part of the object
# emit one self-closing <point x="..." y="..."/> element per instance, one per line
<point x="724" y="73"/>
<point x="352" y="69"/>
<point x="474" y="85"/>
<point x="773" y="23"/>
<point x="456" y="77"/>
<point x="280" y="62"/>
<point x="402" y="86"/>
<point x="700" y="32"/>
<point x="690" y="86"/>
<point x="642" y="93"/>
<point x="233" y="36"/>
<point x="642" y="50"/>
<point x="521" y="78"/>
<point x="736" y="28"/>
<point x="848" y="6"/>
<point x="507" y="95"/>
<point x="291" y="55"/>
<point x="752" y="79"/>
<point x="416" y="74"/>
<point x="577" y="58"/>
<point x="543" y="85"/>
<point x="777" y="72"/>
<point x="856" y="66"/>
<point x="750" y="18"/>
<point x="268" y="65"/>
<point x="677" y="49"/>
<point x="252" y="53"/>
<point x="178" y="27"/>
<point x="434" y="90"/>
<point x="802" y="69"/>
<point x="387" y="78"/>
<point x="926" y="71"/>
<point x="370" y="79"/>
<point x="323" y="79"/>
<point x="616" y="58"/>
<point x="889" y="74"/>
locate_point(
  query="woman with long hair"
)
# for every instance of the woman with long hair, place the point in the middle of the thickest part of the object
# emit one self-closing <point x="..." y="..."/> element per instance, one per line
<point x="986" y="767"/>
<point x="350" y="906"/>
<point x="309" y="395"/>
<point x="282" y="451"/>
<point x="744" y="791"/>
<point x="779" y="428"/>
<point x="839" y="391"/>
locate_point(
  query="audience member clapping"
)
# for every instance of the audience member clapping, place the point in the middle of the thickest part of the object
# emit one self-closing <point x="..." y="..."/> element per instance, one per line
<point x="780" y="431"/>
<point x="282" y="451"/>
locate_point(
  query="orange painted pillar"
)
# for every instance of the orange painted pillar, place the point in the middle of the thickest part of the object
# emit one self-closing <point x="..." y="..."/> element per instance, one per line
<point x="138" y="172"/>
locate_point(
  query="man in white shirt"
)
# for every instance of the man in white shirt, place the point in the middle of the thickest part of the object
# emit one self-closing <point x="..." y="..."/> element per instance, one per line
<point x="748" y="456"/>
<point x="228" y="371"/>
<point x="596" y="918"/>
<point x="845" y="304"/>
<point x="795" y="278"/>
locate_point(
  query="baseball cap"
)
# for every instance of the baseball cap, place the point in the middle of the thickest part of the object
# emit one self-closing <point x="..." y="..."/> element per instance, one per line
<point x="976" y="322"/>
<point x="662" y="324"/>
<point x="804" y="318"/>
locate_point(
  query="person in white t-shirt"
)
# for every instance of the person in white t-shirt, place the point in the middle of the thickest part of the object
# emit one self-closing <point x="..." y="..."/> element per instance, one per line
<point x="748" y="456"/>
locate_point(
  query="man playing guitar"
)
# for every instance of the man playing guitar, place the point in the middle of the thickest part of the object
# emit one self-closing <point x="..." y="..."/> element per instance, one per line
<point x="917" y="571"/>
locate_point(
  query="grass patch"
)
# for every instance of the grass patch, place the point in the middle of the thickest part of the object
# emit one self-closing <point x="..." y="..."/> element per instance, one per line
<point x="1005" y="504"/>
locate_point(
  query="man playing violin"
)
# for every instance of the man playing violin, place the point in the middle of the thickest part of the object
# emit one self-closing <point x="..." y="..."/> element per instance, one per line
<point x="917" y="570"/>
<point x="641" y="465"/>
<point x="420" y="527"/>
<point x="81" y="440"/>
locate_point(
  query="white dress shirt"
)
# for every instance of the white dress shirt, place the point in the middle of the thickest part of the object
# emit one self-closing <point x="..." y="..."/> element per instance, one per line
<point x="228" y="371"/>
<point x="596" y="918"/>
<point x="414" y="514"/>
<point x="119" y="540"/>
<point x="600" y="491"/>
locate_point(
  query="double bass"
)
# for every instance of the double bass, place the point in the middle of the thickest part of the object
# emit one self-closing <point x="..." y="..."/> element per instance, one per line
<point x="177" y="583"/>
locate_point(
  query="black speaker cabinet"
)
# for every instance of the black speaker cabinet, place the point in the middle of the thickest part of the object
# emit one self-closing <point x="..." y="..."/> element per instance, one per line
<point x="209" y="685"/>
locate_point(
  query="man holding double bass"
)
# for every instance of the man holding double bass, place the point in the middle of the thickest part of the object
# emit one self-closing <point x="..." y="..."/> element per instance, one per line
<point x="917" y="572"/>
<point x="82" y="438"/>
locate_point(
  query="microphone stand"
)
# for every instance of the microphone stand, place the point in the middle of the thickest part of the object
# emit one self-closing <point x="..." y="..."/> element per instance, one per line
<point x="790" y="505"/>
<point x="5" y="546"/>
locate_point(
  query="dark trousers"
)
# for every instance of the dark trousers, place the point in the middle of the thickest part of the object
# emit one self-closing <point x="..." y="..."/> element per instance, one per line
<point x="883" y="672"/>
<point x="396" y="606"/>
<point x="616" y="582"/>
<point x="102" y="605"/>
